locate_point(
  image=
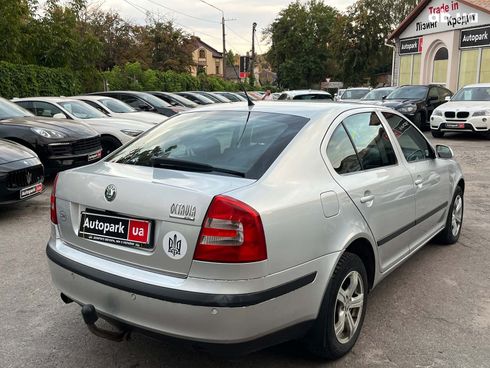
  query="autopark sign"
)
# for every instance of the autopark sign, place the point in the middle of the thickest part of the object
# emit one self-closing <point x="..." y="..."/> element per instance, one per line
<point x="412" y="46"/>
<point x="476" y="37"/>
<point x="446" y="15"/>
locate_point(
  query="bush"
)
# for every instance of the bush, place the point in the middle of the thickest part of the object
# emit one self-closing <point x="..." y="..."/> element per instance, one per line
<point x="31" y="80"/>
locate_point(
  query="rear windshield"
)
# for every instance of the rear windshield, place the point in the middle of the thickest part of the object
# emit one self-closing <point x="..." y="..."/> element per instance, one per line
<point x="244" y="142"/>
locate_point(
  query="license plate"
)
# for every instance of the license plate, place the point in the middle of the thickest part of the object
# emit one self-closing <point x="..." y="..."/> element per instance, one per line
<point x="95" y="156"/>
<point x="455" y="125"/>
<point x="29" y="192"/>
<point x="116" y="230"/>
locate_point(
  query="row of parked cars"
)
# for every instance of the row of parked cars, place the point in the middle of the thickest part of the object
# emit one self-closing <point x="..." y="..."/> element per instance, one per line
<point x="40" y="136"/>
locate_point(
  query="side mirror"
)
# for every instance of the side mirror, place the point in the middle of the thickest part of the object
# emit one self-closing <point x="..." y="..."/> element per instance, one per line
<point x="59" y="115"/>
<point x="384" y="97"/>
<point x="444" y="151"/>
<point x="447" y="98"/>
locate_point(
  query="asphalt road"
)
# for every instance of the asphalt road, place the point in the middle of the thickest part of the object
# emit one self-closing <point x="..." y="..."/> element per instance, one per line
<point x="434" y="311"/>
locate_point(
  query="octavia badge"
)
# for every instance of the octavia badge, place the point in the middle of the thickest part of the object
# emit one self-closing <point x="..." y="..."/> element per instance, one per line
<point x="110" y="193"/>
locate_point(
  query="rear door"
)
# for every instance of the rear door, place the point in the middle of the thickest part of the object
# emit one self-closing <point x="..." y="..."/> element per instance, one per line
<point x="430" y="177"/>
<point x="366" y="166"/>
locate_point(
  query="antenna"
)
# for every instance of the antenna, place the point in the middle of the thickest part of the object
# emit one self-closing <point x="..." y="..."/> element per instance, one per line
<point x="250" y="102"/>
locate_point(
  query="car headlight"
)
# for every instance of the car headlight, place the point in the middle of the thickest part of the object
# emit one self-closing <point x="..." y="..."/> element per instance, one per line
<point x="408" y="109"/>
<point x="48" y="133"/>
<point x="132" y="133"/>
<point x="482" y="113"/>
<point x="437" y="113"/>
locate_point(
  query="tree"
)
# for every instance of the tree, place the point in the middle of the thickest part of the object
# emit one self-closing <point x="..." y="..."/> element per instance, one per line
<point x="299" y="39"/>
<point x="358" y="40"/>
<point x="14" y="16"/>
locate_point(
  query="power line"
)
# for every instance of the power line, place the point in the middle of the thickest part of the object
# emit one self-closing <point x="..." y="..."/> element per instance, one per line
<point x="237" y="34"/>
<point x="182" y="13"/>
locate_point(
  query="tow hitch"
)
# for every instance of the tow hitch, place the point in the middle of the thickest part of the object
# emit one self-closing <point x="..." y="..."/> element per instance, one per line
<point x="90" y="316"/>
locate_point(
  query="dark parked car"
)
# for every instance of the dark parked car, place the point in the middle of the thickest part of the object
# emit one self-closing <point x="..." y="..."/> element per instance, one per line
<point x="142" y="101"/>
<point x="21" y="173"/>
<point x="196" y="97"/>
<point x="417" y="102"/>
<point x="60" y="144"/>
<point x="174" y="99"/>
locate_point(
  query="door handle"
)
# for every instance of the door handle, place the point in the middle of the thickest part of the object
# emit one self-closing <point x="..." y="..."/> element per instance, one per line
<point x="419" y="182"/>
<point x="367" y="199"/>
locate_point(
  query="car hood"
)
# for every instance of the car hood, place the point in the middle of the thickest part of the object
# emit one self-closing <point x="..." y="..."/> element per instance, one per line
<point x="143" y="116"/>
<point x="400" y="102"/>
<point x="10" y="152"/>
<point x="370" y="102"/>
<point x="465" y="105"/>
<point x="70" y="128"/>
<point x="118" y="124"/>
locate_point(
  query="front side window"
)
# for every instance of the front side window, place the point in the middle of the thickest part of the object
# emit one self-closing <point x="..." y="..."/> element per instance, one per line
<point x="46" y="109"/>
<point x="242" y="142"/>
<point x="370" y="140"/>
<point x="413" y="144"/>
<point x="116" y="106"/>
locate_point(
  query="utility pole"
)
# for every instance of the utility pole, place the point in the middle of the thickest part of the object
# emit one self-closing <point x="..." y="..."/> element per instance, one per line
<point x="223" y="26"/>
<point x="252" y="63"/>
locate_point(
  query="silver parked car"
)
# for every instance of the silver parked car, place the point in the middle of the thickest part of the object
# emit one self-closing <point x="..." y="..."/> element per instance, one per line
<point x="237" y="227"/>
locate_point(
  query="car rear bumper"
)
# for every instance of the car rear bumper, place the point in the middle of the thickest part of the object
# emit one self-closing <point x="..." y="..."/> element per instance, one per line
<point x="243" y="313"/>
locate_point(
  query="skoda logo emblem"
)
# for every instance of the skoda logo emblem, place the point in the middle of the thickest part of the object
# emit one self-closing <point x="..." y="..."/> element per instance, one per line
<point x="110" y="193"/>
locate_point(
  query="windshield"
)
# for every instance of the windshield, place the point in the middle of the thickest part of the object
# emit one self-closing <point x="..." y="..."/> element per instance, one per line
<point x="408" y="93"/>
<point x="473" y="94"/>
<point x="378" y="94"/>
<point x="116" y="106"/>
<point x="10" y="110"/>
<point x="354" y="94"/>
<point x="183" y="101"/>
<point x="81" y="110"/>
<point x="245" y="142"/>
<point x="154" y="101"/>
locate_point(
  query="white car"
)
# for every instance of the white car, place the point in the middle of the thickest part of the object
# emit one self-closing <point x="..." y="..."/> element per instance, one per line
<point x="305" y="95"/>
<point x="117" y="109"/>
<point x="114" y="132"/>
<point x="467" y="111"/>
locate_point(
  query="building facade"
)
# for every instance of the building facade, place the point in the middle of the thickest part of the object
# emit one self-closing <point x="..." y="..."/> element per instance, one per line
<point x="444" y="42"/>
<point x="207" y="59"/>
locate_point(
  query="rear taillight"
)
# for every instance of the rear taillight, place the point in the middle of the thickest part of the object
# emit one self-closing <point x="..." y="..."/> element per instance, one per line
<point x="54" y="216"/>
<point x="232" y="232"/>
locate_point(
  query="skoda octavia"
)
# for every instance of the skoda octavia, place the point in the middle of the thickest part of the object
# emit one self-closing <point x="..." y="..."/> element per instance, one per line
<point x="237" y="227"/>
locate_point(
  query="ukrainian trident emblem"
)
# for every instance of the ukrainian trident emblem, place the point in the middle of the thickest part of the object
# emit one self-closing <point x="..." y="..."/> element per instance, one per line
<point x="174" y="245"/>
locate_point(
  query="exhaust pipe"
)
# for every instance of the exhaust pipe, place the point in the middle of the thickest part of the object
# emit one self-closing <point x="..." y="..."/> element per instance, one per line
<point x="90" y="317"/>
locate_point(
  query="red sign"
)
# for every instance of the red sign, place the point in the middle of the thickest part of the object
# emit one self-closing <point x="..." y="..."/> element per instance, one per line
<point x="244" y="75"/>
<point x="138" y="231"/>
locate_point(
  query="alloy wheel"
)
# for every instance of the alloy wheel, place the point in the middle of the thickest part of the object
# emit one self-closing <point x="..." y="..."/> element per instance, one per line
<point x="348" y="307"/>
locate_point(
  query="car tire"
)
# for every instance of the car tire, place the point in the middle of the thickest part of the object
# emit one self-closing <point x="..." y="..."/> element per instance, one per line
<point x="454" y="222"/>
<point x="437" y="134"/>
<point x="332" y="335"/>
<point x="109" y="144"/>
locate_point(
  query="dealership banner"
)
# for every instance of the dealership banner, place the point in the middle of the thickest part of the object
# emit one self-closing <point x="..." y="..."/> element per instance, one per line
<point x="413" y="46"/>
<point x="475" y="37"/>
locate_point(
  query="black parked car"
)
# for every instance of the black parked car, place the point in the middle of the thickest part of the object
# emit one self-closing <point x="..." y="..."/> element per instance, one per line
<point x="21" y="173"/>
<point x="417" y="102"/>
<point x="60" y="144"/>
<point x="174" y="99"/>
<point x="142" y="101"/>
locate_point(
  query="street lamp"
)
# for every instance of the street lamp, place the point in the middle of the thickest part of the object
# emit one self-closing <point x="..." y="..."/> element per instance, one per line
<point x="224" y="35"/>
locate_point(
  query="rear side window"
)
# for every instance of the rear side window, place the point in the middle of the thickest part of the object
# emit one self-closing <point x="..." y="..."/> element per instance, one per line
<point x="244" y="142"/>
<point x="370" y="140"/>
<point x="341" y="153"/>
<point x="413" y="144"/>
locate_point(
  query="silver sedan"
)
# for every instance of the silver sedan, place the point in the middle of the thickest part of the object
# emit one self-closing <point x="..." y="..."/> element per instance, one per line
<point x="238" y="227"/>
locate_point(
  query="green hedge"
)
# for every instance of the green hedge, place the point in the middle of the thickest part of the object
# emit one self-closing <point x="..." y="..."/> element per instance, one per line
<point x="31" y="80"/>
<point x="133" y="77"/>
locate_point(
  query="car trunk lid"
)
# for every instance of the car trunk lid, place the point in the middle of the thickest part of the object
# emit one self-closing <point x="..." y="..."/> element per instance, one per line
<point x="172" y="204"/>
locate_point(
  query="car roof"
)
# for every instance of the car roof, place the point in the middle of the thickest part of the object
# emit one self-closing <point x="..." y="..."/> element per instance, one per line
<point x="487" y="85"/>
<point x="359" y="88"/>
<point x="304" y="109"/>
<point x="46" y="99"/>
<point x="297" y="92"/>
<point x="92" y="97"/>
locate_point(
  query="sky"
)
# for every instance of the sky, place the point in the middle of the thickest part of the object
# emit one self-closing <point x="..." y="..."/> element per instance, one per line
<point x="202" y="20"/>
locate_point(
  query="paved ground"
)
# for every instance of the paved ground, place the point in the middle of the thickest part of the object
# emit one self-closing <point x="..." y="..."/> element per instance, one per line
<point x="434" y="311"/>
